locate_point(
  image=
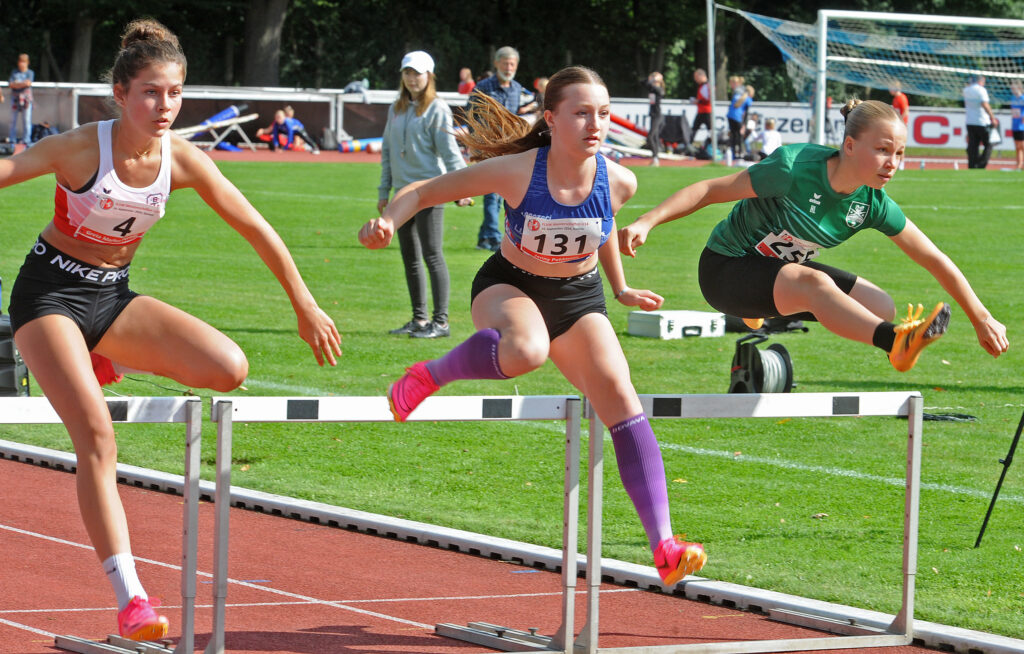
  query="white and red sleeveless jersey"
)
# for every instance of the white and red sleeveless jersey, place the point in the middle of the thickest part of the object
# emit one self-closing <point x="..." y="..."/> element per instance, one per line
<point x="111" y="212"/>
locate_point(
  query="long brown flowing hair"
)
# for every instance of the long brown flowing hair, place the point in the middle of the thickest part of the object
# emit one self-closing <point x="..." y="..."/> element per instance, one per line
<point x="405" y="96"/>
<point x="494" y="130"/>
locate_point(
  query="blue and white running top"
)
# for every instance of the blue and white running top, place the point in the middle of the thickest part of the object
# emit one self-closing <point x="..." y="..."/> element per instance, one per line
<point x="556" y="233"/>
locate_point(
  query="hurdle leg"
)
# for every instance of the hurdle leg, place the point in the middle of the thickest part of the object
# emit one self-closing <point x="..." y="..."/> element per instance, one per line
<point x="222" y="501"/>
<point x="904" y="622"/>
<point x="587" y="641"/>
<point x="190" y="533"/>
<point x="570" y="526"/>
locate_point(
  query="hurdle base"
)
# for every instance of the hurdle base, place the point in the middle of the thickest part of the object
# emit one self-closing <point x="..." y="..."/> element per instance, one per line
<point x="497" y="637"/>
<point x="113" y="645"/>
<point x="823" y="623"/>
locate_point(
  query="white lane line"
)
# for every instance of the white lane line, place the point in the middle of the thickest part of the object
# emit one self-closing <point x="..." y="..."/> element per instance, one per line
<point x="18" y="625"/>
<point x="232" y="605"/>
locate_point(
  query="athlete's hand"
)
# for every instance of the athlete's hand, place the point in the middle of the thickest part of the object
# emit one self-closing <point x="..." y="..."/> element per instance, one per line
<point x="641" y="298"/>
<point x="631" y="237"/>
<point x="381" y="204"/>
<point x="377" y="233"/>
<point x="992" y="336"/>
<point x="317" y="329"/>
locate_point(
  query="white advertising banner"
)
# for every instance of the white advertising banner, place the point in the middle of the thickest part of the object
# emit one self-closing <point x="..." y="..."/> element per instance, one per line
<point x="932" y="127"/>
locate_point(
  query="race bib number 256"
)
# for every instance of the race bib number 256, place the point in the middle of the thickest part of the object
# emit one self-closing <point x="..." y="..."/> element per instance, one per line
<point x="787" y="247"/>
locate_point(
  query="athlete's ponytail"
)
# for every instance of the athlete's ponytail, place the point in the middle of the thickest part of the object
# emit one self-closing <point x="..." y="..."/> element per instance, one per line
<point x="145" y="41"/>
<point x="494" y="131"/>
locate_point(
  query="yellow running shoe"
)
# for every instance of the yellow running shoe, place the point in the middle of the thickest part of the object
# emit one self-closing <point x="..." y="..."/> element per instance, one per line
<point x="754" y="323"/>
<point x="913" y="334"/>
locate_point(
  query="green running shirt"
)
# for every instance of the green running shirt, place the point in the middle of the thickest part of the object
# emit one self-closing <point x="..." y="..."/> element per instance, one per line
<point x="796" y="212"/>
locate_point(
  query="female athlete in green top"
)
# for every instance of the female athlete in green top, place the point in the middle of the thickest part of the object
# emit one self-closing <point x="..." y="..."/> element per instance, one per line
<point x="758" y="261"/>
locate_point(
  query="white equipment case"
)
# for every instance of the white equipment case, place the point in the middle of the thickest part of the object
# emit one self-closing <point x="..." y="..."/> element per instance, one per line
<point x="676" y="324"/>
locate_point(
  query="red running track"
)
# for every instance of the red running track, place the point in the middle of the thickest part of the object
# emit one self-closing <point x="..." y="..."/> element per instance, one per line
<point x="304" y="588"/>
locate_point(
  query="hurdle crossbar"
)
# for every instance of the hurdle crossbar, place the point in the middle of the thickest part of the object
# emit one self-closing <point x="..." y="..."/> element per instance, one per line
<point x="226" y="411"/>
<point x="187" y="410"/>
<point x="774" y="405"/>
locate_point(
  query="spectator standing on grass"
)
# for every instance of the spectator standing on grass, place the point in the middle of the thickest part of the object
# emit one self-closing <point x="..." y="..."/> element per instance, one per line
<point x="541" y="295"/>
<point x="466" y="83"/>
<point x="979" y="118"/>
<point x="805" y="197"/>
<point x="655" y="87"/>
<point x="503" y="87"/>
<point x="419" y="144"/>
<point x="739" y="104"/>
<point x="900" y="102"/>
<point x="704" y="105"/>
<point x="20" y="84"/>
<point x="1017" y="126"/>
<point x="74" y="318"/>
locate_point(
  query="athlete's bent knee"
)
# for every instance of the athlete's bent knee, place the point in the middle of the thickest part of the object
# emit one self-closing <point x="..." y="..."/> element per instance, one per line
<point x="231" y="372"/>
<point x="521" y="355"/>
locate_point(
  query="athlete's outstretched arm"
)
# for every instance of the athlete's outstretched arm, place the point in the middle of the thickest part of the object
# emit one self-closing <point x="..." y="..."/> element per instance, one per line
<point x="508" y="176"/>
<point x="991" y="333"/>
<point x="193" y="168"/>
<point x="684" y="202"/>
<point x="608" y="255"/>
<point x="46" y="156"/>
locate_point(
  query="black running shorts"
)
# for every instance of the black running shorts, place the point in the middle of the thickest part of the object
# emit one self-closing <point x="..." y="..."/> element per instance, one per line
<point x="51" y="282"/>
<point x="745" y="286"/>
<point x="561" y="300"/>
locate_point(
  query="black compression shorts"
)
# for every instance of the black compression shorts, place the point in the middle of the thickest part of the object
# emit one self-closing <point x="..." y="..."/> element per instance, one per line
<point x="51" y="282"/>
<point x="561" y="300"/>
<point x="745" y="286"/>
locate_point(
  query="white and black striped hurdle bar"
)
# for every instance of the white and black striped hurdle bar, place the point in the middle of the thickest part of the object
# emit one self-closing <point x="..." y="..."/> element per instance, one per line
<point x="770" y="405"/>
<point x="186" y="410"/>
<point x="229" y="410"/>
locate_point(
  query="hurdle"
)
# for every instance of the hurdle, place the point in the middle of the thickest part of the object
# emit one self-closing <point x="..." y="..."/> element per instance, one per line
<point x="226" y="411"/>
<point x="187" y="410"/>
<point x="228" y="125"/>
<point x="768" y="405"/>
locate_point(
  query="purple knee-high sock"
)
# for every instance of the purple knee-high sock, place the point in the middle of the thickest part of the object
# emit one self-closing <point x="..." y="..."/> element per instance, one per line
<point x="643" y="475"/>
<point x="474" y="358"/>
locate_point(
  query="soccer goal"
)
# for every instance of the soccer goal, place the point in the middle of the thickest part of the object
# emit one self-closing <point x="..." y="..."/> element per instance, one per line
<point x="924" y="55"/>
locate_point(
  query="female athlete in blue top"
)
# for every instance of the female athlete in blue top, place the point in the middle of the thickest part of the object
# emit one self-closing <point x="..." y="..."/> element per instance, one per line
<point x="541" y="296"/>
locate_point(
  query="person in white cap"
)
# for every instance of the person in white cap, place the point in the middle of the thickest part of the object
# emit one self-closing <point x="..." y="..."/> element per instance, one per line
<point x="418" y="144"/>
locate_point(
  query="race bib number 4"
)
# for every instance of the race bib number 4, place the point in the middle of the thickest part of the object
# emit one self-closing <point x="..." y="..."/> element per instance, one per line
<point x="116" y="222"/>
<point x="557" y="240"/>
<point x="787" y="247"/>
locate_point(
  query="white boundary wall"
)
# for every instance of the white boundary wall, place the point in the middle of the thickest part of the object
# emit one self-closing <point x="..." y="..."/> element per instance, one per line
<point x="934" y="127"/>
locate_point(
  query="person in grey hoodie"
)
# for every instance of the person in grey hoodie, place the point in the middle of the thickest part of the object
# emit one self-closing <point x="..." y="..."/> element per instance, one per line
<point x="419" y="143"/>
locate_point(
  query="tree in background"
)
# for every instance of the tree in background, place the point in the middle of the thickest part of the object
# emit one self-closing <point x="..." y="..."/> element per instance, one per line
<point x="329" y="43"/>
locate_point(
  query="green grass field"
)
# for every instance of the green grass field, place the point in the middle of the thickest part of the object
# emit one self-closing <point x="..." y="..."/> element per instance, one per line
<point x="748" y="489"/>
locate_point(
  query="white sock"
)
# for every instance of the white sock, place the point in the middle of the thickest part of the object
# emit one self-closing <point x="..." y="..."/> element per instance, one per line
<point x="120" y="569"/>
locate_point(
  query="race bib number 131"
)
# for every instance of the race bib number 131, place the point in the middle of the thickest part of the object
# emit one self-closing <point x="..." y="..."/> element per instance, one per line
<point x="556" y="240"/>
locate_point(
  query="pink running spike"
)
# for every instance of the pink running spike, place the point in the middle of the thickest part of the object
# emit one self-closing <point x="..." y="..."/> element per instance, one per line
<point x="138" y="620"/>
<point x="677" y="558"/>
<point x="416" y="385"/>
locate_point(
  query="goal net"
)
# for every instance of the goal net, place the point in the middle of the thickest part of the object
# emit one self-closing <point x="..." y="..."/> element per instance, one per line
<point x="924" y="55"/>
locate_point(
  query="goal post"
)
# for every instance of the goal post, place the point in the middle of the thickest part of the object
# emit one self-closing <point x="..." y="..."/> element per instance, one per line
<point x="1000" y="57"/>
<point x="923" y="55"/>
